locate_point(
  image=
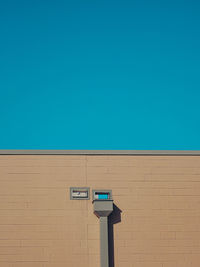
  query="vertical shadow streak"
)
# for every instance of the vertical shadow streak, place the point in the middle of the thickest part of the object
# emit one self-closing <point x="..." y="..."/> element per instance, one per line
<point x="114" y="218"/>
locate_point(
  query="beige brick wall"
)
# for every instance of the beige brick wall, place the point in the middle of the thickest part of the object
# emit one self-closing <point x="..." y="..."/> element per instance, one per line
<point x="159" y="197"/>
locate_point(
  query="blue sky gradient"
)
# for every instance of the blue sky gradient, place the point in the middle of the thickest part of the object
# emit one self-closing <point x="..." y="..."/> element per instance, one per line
<point x="100" y="74"/>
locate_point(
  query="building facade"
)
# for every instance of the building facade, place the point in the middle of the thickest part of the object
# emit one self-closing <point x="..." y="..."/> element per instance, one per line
<point x="156" y="218"/>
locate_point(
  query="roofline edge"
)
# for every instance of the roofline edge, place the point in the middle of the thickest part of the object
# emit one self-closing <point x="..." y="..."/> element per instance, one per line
<point x="102" y="152"/>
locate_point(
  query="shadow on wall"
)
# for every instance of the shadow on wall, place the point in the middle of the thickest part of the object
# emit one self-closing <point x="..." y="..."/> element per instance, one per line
<point x="114" y="218"/>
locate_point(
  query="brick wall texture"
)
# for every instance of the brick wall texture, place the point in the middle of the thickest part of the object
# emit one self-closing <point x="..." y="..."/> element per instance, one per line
<point x="159" y="199"/>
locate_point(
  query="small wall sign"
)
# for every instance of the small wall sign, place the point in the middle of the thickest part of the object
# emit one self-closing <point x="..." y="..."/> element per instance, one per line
<point x="79" y="193"/>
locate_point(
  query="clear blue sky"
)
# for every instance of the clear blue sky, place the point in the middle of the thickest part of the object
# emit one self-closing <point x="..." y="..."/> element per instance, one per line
<point x="100" y="74"/>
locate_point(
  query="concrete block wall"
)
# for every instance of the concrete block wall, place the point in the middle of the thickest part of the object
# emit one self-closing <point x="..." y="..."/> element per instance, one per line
<point x="159" y="199"/>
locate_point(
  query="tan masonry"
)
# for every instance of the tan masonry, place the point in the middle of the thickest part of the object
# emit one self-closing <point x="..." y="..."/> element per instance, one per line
<point x="158" y="195"/>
